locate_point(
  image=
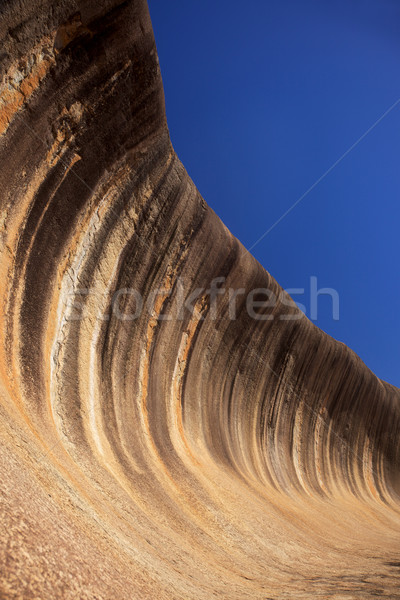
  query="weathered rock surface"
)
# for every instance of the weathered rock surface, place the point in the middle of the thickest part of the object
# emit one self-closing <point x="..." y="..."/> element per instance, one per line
<point x="196" y="456"/>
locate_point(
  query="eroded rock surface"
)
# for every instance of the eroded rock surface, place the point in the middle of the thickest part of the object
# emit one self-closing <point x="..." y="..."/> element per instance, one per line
<point x="191" y="456"/>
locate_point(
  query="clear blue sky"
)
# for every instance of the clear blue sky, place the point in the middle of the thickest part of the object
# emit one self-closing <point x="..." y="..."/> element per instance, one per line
<point x="262" y="98"/>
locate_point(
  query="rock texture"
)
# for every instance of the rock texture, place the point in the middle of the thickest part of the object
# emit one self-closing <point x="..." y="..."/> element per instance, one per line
<point x="161" y="453"/>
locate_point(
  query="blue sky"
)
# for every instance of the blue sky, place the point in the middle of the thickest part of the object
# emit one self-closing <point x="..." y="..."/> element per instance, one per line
<point x="262" y="98"/>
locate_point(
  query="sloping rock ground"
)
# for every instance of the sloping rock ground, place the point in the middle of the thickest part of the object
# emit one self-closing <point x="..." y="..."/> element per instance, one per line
<point x="196" y="456"/>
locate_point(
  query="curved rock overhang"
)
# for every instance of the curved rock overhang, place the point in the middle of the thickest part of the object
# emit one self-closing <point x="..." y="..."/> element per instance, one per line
<point x="158" y="438"/>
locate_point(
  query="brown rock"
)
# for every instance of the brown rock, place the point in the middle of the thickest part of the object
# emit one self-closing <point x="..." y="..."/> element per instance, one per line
<point x="153" y="446"/>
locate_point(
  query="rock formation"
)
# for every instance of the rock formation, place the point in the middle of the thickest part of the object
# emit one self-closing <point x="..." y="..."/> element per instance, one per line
<point x="158" y="438"/>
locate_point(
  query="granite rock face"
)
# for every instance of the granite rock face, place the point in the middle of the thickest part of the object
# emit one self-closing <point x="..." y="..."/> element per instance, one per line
<point x="158" y="439"/>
